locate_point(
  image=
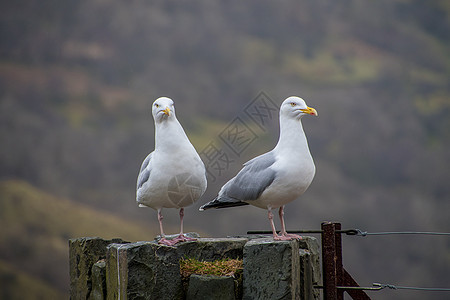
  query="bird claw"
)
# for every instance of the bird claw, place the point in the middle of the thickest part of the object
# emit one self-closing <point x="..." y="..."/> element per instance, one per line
<point x="164" y="241"/>
<point x="287" y="237"/>
<point x="183" y="238"/>
<point x="179" y="239"/>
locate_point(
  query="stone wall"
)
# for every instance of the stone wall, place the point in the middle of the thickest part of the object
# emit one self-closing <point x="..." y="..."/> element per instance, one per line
<point x="115" y="269"/>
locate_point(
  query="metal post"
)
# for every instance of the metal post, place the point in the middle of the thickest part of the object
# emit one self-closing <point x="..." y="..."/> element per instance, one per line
<point x="339" y="264"/>
<point x="329" y="261"/>
<point x="335" y="277"/>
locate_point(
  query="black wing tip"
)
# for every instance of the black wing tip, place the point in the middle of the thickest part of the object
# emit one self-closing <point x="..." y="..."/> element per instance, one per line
<point x="219" y="204"/>
<point x="209" y="205"/>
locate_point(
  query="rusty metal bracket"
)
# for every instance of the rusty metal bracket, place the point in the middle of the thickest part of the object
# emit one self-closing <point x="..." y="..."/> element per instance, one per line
<point x="336" y="280"/>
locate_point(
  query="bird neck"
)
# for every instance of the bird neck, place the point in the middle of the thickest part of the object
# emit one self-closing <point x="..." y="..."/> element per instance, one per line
<point x="292" y="137"/>
<point x="169" y="135"/>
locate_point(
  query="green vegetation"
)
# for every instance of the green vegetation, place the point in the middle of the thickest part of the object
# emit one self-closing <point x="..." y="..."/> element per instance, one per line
<point x="36" y="228"/>
<point x="223" y="267"/>
<point x="23" y="205"/>
<point x="18" y="285"/>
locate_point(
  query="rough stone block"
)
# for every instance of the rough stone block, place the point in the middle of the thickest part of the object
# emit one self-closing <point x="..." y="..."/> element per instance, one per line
<point x="83" y="254"/>
<point x="209" y="287"/>
<point x="310" y="272"/>
<point x="210" y="249"/>
<point x="306" y="290"/>
<point x="312" y="246"/>
<point x="271" y="269"/>
<point x="147" y="270"/>
<point x="98" y="281"/>
<point x="143" y="270"/>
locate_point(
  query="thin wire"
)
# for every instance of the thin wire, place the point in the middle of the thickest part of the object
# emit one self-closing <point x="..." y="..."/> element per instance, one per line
<point x="381" y="286"/>
<point x="357" y="232"/>
<point x="365" y="233"/>
<point x="395" y="287"/>
<point x="289" y="231"/>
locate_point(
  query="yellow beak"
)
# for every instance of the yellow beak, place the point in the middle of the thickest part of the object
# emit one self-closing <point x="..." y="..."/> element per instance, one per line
<point x="167" y="111"/>
<point x="310" y="111"/>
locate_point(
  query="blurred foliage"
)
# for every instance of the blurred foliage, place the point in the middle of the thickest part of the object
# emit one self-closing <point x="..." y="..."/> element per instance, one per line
<point x="35" y="231"/>
<point x="17" y="285"/>
<point x="77" y="79"/>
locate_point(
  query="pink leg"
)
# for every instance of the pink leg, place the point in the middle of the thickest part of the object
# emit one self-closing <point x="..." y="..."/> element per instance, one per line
<point x="181" y="220"/>
<point x="160" y="218"/>
<point x="163" y="239"/>
<point x="270" y="215"/>
<point x="284" y="234"/>
<point x="181" y="237"/>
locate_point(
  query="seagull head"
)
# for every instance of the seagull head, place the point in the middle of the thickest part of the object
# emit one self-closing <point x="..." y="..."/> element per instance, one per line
<point x="163" y="109"/>
<point x="295" y="107"/>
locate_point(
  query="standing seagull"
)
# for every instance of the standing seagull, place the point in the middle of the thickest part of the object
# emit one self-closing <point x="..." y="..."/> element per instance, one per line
<point x="173" y="175"/>
<point x="278" y="177"/>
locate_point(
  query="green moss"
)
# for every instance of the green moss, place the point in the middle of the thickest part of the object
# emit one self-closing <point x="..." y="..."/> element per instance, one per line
<point x="223" y="267"/>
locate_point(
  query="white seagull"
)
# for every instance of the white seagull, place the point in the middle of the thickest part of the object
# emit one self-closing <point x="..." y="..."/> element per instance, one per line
<point x="273" y="179"/>
<point x="173" y="175"/>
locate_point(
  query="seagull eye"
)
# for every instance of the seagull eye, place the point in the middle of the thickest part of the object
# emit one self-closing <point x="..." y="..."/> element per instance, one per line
<point x="293" y="104"/>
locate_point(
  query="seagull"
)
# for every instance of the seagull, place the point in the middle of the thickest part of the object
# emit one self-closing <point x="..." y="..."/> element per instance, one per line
<point x="173" y="175"/>
<point x="273" y="179"/>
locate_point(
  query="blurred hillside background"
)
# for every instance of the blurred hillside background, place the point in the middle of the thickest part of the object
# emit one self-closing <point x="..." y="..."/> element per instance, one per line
<point x="77" y="80"/>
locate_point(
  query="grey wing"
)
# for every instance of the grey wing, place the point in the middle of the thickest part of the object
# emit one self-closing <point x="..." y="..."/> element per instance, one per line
<point x="248" y="184"/>
<point x="252" y="180"/>
<point x="144" y="172"/>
